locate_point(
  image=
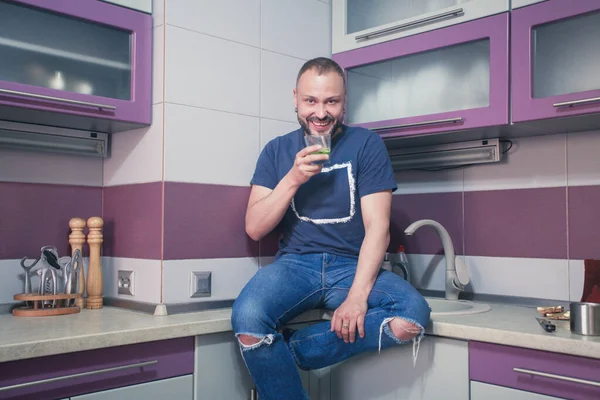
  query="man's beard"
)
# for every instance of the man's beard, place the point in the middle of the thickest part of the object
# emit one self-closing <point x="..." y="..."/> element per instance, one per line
<point x="335" y="128"/>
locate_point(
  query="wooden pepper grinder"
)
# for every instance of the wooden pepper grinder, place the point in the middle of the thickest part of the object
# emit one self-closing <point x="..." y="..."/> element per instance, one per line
<point x="94" y="279"/>
<point x="76" y="240"/>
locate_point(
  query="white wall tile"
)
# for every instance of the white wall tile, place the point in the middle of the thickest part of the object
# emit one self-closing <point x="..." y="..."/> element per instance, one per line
<point x="158" y="12"/>
<point x="228" y="277"/>
<point x="270" y="129"/>
<point x="411" y="182"/>
<point x="532" y="162"/>
<point x="427" y="271"/>
<point x="237" y="20"/>
<point x="158" y="58"/>
<point x="297" y="28"/>
<point x="209" y="72"/>
<point x="146" y="279"/>
<point x="583" y="162"/>
<point x="136" y="156"/>
<point x="576" y="279"/>
<point x="205" y="146"/>
<point x="38" y="167"/>
<point x="277" y="82"/>
<point x="523" y="277"/>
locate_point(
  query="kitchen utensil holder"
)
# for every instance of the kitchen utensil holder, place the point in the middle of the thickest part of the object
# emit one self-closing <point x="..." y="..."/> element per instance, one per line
<point x="35" y="305"/>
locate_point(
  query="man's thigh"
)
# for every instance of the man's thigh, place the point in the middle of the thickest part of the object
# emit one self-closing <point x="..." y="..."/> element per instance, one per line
<point x="279" y="292"/>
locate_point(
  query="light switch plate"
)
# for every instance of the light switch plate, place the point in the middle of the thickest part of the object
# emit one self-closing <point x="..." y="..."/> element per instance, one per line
<point x="200" y="284"/>
<point x="125" y="282"/>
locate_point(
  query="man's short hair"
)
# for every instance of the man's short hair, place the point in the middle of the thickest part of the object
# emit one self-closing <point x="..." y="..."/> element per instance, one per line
<point x="322" y="65"/>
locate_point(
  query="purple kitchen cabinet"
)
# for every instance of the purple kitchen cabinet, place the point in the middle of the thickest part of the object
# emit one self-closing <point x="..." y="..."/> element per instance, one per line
<point x="81" y="64"/>
<point x="555" y="60"/>
<point x="543" y="372"/>
<point x="95" y="370"/>
<point x="446" y="80"/>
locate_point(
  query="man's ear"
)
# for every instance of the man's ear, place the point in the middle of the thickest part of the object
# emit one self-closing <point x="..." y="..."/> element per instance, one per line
<point x="295" y="99"/>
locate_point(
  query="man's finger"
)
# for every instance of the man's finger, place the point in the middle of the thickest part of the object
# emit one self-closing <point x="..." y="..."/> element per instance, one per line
<point x="360" y="322"/>
<point x="310" y="149"/>
<point x="352" y="331"/>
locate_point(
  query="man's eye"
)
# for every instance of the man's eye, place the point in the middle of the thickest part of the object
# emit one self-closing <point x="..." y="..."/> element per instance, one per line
<point x="332" y="101"/>
<point x="310" y="101"/>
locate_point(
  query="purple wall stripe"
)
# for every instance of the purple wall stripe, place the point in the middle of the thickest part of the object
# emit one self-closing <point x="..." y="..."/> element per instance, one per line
<point x="133" y="221"/>
<point x="445" y="208"/>
<point x="516" y="223"/>
<point x="584" y="222"/>
<point x="206" y="221"/>
<point x="34" y="215"/>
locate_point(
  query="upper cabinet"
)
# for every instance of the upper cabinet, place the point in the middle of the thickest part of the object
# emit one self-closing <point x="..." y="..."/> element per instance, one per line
<point x="556" y="61"/>
<point x="455" y="78"/>
<point x="523" y="3"/>
<point x="82" y="64"/>
<point x="360" y="23"/>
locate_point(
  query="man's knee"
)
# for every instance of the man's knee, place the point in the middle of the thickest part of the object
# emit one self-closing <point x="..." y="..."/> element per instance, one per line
<point x="403" y="329"/>
<point x="248" y="340"/>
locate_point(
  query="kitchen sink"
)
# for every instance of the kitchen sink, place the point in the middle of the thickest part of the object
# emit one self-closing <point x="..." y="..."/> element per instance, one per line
<point x="442" y="307"/>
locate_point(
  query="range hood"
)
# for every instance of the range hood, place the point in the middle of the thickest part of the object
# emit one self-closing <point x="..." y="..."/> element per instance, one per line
<point x="32" y="137"/>
<point x="446" y="155"/>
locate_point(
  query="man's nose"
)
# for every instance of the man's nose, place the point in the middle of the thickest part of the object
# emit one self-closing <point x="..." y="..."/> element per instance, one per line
<point x="321" y="112"/>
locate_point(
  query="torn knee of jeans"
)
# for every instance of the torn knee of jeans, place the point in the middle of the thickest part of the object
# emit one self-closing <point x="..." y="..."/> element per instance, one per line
<point x="249" y="341"/>
<point x="403" y="329"/>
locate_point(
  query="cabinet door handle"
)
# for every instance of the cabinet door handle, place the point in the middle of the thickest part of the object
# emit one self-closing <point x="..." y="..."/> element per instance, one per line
<point x="573" y="103"/>
<point x="559" y="377"/>
<point x="424" y="123"/>
<point x="72" y="376"/>
<point x="58" y="99"/>
<point x="385" y="31"/>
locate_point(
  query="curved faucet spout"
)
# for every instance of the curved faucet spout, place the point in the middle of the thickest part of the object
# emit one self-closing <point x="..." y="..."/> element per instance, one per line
<point x="453" y="286"/>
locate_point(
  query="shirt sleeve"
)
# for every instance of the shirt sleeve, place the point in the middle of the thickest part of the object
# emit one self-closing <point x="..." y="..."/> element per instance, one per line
<point x="265" y="173"/>
<point x="375" y="172"/>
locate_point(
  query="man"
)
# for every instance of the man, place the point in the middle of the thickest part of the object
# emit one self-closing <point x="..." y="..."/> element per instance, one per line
<point x="335" y="231"/>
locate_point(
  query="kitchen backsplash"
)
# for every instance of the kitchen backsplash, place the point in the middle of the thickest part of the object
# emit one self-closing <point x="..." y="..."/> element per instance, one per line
<point x="524" y="226"/>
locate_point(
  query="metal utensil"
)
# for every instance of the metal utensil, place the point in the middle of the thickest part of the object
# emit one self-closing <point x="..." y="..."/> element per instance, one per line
<point x="47" y="283"/>
<point x="546" y="325"/>
<point x="585" y="318"/>
<point x="27" y="269"/>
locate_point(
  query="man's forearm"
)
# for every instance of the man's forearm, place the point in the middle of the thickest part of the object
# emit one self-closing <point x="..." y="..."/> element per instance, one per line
<point x="264" y="215"/>
<point x="375" y="243"/>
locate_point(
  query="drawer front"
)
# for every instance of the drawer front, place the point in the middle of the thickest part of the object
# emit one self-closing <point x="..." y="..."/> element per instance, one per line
<point x="548" y="373"/>
<point x="72" y="374"/>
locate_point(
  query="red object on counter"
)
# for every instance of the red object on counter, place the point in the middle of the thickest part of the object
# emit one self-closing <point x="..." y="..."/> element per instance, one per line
<point x="591" y="282"/>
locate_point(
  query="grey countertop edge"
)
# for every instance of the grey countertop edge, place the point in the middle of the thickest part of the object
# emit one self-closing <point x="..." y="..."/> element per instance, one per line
<point x="216" y="321"/>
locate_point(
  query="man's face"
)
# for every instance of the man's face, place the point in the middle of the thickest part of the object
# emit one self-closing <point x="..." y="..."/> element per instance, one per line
<point x="320" y="102"/>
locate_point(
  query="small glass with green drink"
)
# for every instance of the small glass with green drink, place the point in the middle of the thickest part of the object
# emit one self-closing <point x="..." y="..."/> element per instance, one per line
<point x="323" y="140"/>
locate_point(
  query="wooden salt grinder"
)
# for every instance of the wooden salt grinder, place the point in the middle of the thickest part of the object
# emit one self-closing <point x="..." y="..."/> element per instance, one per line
<point x="76" y="240"/>
<point x="94" y="279"/>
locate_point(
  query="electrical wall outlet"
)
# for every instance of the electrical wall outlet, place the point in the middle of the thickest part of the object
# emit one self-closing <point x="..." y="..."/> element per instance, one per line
<point x="125" y="282"/>
<point x="200" y="283"/>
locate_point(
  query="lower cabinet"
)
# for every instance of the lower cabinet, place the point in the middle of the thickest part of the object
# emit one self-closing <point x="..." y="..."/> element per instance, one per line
<point x="533" y="373"/>
<point x="441" y="372"/>
<point x="485" y="391"/>
<point x="179" y="388"/>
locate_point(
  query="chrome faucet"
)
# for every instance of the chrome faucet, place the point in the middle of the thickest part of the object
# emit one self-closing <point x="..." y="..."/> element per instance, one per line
<point x="454" y="284"/>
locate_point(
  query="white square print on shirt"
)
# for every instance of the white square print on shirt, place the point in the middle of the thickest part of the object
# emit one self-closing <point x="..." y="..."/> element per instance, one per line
<point x="327" y="198"/>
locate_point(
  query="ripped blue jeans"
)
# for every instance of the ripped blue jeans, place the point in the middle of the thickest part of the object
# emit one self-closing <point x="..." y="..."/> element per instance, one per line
<point x="296" y="283"/>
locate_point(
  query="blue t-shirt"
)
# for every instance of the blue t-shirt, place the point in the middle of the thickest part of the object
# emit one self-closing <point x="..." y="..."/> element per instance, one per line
<point x="325" y="214"/>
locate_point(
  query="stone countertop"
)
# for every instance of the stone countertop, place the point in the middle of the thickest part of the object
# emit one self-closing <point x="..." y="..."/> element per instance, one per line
<point x="22" y="337"/>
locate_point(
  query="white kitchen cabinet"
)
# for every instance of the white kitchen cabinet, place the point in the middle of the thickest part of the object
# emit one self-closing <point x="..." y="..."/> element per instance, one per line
<point x="523" y="3"/>
<point x="220" y="371"/>
<point x="485" y="391"/>
<point x="441" y="372"/>
<point x="180" y="387"/>
<point x="361" y="23"/>
<point x="139" y="5"/>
